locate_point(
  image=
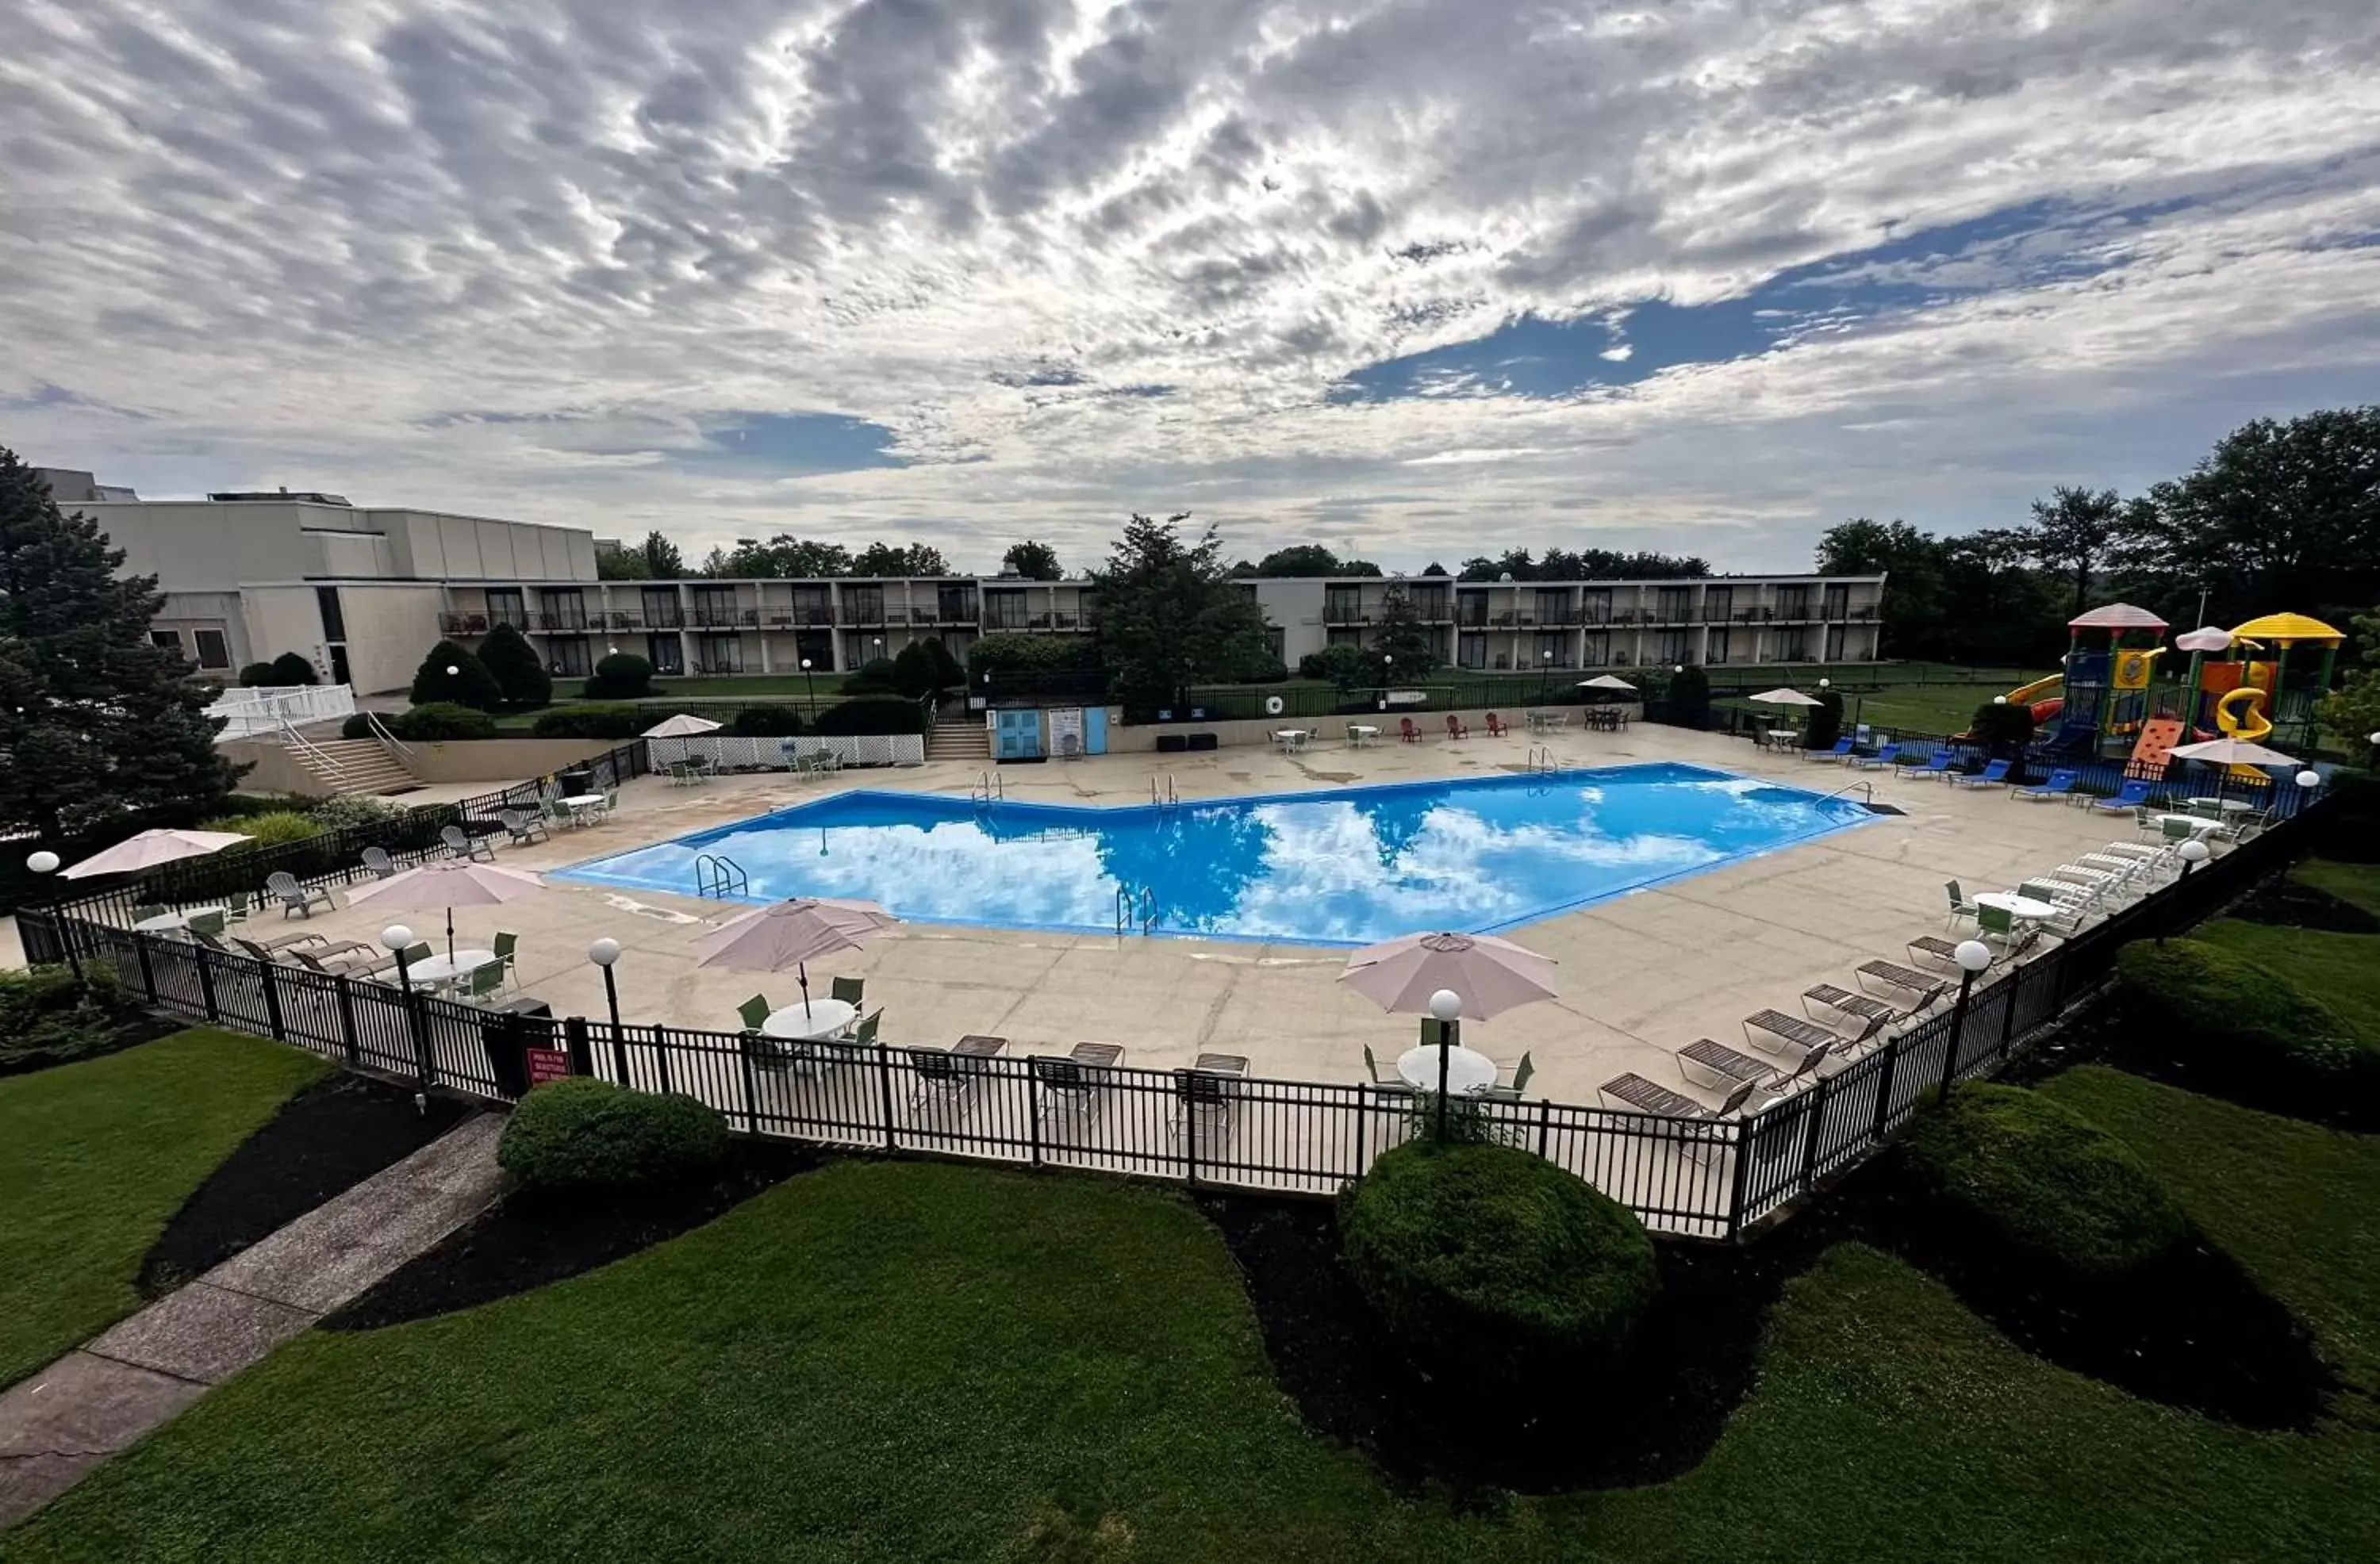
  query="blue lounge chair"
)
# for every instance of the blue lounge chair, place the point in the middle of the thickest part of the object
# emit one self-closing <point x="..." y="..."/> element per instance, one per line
<point x="1889" y="756"/>
<point x="1841" y="751"/>
<point x="2131" y="795"/>
<point x="1938" y="764"/>
<point x="2059" y="786"/>
<point x="1992" y="775"/>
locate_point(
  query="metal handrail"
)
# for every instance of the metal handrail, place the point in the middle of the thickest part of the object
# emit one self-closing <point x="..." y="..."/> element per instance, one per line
<point x="1866" y="789"/>
<point x="398" y="750"/>
<point x="315" y="757"/>
<point x="716" y="874"/>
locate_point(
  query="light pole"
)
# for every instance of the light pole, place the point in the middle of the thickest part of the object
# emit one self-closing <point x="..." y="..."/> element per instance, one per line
<point x="1973" y="956"/>
<point x="2192" y="852"/>
<point x="1445" y="1007"/>
<point x="810" y="686"/>
<point x="1545" y="677"/>
<point x="1387" y="671"/>
<point x="46" y="863"/>
<point x="398" y="938"/>
<point x="2308" y="781"/>
<point x="603" y="952"/>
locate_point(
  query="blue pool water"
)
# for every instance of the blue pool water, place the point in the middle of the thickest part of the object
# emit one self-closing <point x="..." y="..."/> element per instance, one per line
<point x="1345" y="867"/>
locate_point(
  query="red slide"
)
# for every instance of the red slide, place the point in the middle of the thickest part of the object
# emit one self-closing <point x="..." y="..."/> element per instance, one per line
<point x="2045" y="711"/>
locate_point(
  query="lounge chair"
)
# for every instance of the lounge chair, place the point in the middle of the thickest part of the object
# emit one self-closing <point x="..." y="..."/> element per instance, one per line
<point x="1848" y="1003"/>
<point x="1075" y="1085"/>
<point x="293" y="898"/>
<point x="2133" y="795"/>
<point x="1633" y="1091"/>
<point x="1208" y="1092"/>
<point x="1938" y="764"/>
<point x="524" y="828"/>
<point x="148" y="910"/>
<point x="355" y="966"/>
<point x="1892" y="975"/>
<point x="1936" y="947"/>
<point x="2138" y="851"/>
<point x="1841" y="751"/>
<point x="464" y="846"/>
<point x="1714" y="1064"/>
<point x="1993" y="775"/>
<point x="1888" y="756"/>
<point x="2059" y="786"/>
<point x="1801" y="1033"/>
<point x="378" y="863"/>
<point x="1406" y="731"/>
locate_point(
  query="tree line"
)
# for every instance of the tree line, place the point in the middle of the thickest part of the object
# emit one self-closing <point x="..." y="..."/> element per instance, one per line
<point x="2280" y="516"/>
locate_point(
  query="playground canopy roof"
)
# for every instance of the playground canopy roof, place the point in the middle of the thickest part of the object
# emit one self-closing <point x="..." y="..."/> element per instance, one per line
<point x="2287" y="627"/>
<point x="2116" y="616"/>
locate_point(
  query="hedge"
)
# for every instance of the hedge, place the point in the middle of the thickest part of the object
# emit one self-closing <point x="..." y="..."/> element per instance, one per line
<point x="46" y="1017"/>
<point x="621" y="676"/>
<point x="1487" y="1261"/>
<point x="1009" y="651"/>
<point x="441" y="721"/>
<point x="271" y="828"/>
<point x="870" y="715"/>
<point x="585" y="1133"/>
<point x="2248" y="1026"/>
<point x="767" y="721"/>
<point x="591" y="722"/>
<point x="2048" y="1182"/>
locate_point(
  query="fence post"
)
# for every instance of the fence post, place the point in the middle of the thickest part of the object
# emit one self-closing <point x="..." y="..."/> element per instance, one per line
<point x="573" y="1041"/>
<point x="1745" y="1134"/>
<point x="207" y="981"/>
<point x="272" y="1002"/>
<point x="1884" y="1089"/>
<point x="620" y="1054"/>
<point x="661" y="1056"/>
<point x="1545" y="1123"/>
<point x="353" y="1044"/>
<point x="1189" y="1126"/>
<point x="1818" y="1111"/>
<point x="751" y="1086"/>
<point x="884" y="1077"/>
<point x="2008" y="1016"/>
<point x="1033" y="1108"/>
<point x="147" y="973"/>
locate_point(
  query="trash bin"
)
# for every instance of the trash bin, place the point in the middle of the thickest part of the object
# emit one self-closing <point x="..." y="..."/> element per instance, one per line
<point x="575" y="782"/>
<point x="512" y="1027"/>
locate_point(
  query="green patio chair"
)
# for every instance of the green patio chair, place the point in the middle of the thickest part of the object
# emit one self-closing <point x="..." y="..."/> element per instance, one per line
<point x="505" y="945"/>
<point x="849" y="989"/>
<point x="482" y="983"/>
<point x="210" y="924"/>
<point x="147" y="910"/>
<point x="865" y="1035"/>
<point x="1996" y="923"/>
<point x="756" y="1012"/>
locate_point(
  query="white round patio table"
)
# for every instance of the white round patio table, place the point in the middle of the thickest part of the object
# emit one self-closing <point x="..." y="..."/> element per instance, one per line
<point x="1468" y="1072"/>
<point x="2015" y="905"/>
<point x="825" y="1018"/>
<point x="166" y="923"/>
<point x="2198" y="825"/>
<point x="446" y="969"/>
<point x="582" y="805"/>
<point x="2228" y="806"/>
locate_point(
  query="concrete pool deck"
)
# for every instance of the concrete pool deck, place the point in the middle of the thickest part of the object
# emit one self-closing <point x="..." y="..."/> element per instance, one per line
<point x="1641" y="975"/>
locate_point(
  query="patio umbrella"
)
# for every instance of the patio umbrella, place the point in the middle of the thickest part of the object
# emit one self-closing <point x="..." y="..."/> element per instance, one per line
<point x="1784" y="698"/>
<point x="152" y="848"/>
<point x="450" y="886"/>
<point x="789" y="934"/>
<point x="2208" y="637"/>
<point x="2232" y="752"/>
<point x="1606" y="682"/>
<point x="1490" y="975"/>
<point x="682" y="726"/>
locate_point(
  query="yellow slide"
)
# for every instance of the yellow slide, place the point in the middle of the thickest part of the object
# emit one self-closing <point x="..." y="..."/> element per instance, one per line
<point x="2240" y="715"/>
<point x="2022" y="695"/>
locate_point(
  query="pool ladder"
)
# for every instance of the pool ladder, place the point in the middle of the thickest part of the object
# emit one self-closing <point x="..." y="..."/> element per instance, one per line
<point x="1134" y="909"/>
<point x="1163" y="802"/>
<point x="716" y="874"/>
<point x="1540" y="761"/>
<point x="988" y="789"/>
<point x="1866" y="790"/>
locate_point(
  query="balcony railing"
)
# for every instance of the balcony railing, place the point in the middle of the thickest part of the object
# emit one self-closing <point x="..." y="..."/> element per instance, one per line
<point x="707" y="616"/>
<point x="863" y="612"/>
<point x="462" y="624"/>
<point x="573" y="623"/>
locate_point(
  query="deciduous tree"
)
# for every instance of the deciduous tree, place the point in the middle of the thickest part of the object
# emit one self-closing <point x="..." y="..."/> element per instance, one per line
<point x="1169" y="615"/>
<point x="1035" y="561"/>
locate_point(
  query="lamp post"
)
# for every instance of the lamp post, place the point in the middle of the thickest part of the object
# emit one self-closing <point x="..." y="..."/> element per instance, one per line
<point x="1973" y="956"/>
<point x="1445" y="1007"/>
<point x="46" y="863"/>
<point x="603" y="952"/>
<point x="2192" y="852"/>
<point x="1545" y="676"/>
<point x="810" y="686"/>
<point x="398" y="938"/>
<point x="2308" y="781"/>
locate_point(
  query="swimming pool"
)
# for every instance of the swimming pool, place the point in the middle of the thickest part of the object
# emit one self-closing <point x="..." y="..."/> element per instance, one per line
<point x="1343" y="867"/>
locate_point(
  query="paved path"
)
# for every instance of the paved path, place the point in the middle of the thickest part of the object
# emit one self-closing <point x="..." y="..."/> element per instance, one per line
<point x="137" y="1374"/>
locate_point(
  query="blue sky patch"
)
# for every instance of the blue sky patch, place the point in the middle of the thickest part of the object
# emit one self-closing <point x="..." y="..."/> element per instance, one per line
<point x="752" y="444"/>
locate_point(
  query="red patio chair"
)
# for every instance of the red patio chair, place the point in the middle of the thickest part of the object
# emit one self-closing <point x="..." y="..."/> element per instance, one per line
<point x="1495" y="728"/>
<point x="1406" y="731"/>
<point x="1454" y="728"/>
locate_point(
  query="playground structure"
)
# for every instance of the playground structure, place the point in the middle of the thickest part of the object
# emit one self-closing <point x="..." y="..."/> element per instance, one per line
<point x="2108" y="700"/>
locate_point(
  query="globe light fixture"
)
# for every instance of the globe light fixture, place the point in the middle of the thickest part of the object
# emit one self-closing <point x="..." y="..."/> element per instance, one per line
<point x="396" y="937"/>
<point x="452" y="669"/>
<point x="1973" y="955"/>
<point x="42" y="862"/>
<point x="2309" y="780"/>
<point x="2193" y="853"/>
<point x="603" y="952"/>
<point x="1446" y="1005"/>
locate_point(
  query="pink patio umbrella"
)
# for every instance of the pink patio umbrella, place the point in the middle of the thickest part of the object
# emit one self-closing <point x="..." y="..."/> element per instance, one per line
<point x="448" y="885"/>
<point x="152" y="848"/>
<point x="1490" y="975"/>
<point x="790" y="934"/>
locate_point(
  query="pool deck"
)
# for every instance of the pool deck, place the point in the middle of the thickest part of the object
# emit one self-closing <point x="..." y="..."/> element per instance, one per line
<point x="1641" y="974"/>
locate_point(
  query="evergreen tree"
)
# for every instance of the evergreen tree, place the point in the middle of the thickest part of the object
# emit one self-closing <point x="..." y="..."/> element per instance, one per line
<point x="292" y="669"/>
<point x="469" y="683"/>
<point x="1401" y="647"/>
<point x="516" y="667"/>
<point x="97" y="723"/>
<point x="1170" y="615"/>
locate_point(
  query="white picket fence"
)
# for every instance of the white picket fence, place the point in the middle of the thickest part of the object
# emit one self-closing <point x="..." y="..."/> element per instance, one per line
<point x="264" y="707"/>
<point x="730" y="754"/>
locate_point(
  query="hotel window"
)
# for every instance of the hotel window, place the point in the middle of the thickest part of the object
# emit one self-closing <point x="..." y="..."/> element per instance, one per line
<point x="1792" y="645"/>
<point x="1472" y="650"/>
<point x="1670" y="646"/>
<point x="504" y="607"/>
<point x="714" y="605"/>
<point x="1673" y="603"/>
<point x="1598" y="648"/>
<point x="719" y="654"/>
<point x="170" y="640"/>
<point x="1430" y="602"/>
<point x="666" y="653"/>
<point x="662" y="608"/>
<point x="1793" y="602"/>
<point x="863" y="605"/>
<point x="565" y="609"/>
<point x="813" y="605"/>
<point x="1596" y="605"/>
<point x="1719" y="605"/>
<point x="566" y="655"/>
<point x="1838" y="601"/>
<point x="1004" y="611"/>
<point x="213" y="651"/>
<point x="334" y="621"/>
<point x="1553" y="649"/>
<point x="1343" y="636"/>
<point x="1341" y="605"/>
<point x="1717" y="644"/>
<point x="1834" y="643"/>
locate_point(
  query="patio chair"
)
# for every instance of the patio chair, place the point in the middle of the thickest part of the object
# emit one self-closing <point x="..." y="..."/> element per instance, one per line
<point x="1892" y="975"/>
<point x="1960" y="906"/>
<point x="464" y="846"/>
<point x="481" y="983"/>
<point x="293" y="898"/>
<point x="371" y="961"/>
<point x="756" y="1012"/>
<point x="1633" y="1091"/>
<point x="938" y="1077"/>
<point x="148" y="910"/>
<point x="237" y="906"/>
<point x="1841" y="751"/>
<point x="1406" y="731"/>
<point x="2059" y="786"/>
<point x="1993" y="775"/>
<point x="1207" y="1091"/>
<point x="1075" y="1087"/>
<point x="524" y="828"/>
<point x="1497" y="729"/>
<point x="2131" y="795"/>
<point x="849" y="990"/>
<point x="1938" y="764"/>
<point x="558" y="812"/>
<point x="1454" y="728"/>
<point x="1520" y="1082"/>
<point x="2178" y="829"/>
<point x="1372" y="1068"/>
<point x="1888" y="756"/>
<point x="378" y="863"/>
<point x="864" y="1035"/>
<point x="205" y="923"/>
<point x="1843" y="1000"/>
<point x="1996" y="924"/>
<point x="1803" y="1034"/>
<point x="503" y="947"/>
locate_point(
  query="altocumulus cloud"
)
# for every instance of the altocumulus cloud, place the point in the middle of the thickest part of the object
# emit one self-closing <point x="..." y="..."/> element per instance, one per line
<point x="1707" y="276"/>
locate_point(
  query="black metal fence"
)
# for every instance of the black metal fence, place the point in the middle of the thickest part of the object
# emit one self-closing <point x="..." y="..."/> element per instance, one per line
<point x="1700" y="1178"/>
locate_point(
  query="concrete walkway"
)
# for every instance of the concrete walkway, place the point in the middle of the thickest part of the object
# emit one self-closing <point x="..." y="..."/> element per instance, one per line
<point x="136" y="1375"/>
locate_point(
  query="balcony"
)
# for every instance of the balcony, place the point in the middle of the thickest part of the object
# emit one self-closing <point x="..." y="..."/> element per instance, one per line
<point x="862" y="612"/>
<point x="462" y="624"/>
<point x="571" y="622"/>
<point x="710" y="616"/>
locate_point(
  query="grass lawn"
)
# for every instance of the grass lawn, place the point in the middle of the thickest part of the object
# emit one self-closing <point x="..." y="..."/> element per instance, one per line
<point x="95" y="1157"/>
<point x="919" y="1361"/>
<point x="2358" y="883"/>
<point x="1917" y="708"/>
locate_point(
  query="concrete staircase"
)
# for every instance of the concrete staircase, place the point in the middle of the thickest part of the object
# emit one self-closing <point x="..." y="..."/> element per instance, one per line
<point x="963" y="738"/>
<point x="353" y="765"/>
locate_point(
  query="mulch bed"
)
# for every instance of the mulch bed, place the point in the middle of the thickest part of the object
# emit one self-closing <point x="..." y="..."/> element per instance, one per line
<point x="2197" y="1334"/>
<point x="529" y="1238"/>
<point x="2297" y="905"/>
<point x="325" y="1140"/>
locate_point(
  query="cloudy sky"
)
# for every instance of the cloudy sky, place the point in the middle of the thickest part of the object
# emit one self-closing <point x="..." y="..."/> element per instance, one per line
<point x="1416" y="279"/>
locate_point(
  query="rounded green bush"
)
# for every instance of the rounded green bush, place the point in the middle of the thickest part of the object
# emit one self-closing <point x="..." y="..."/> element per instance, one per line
<point x="357" y="725"/>
<point x="2235" y="1020"/>
<point x="441" y="721"/>
<point x="2048" y="1181"/>
<point x="621" y="675"/>
<point x="1489" y="1261"/>
<point x="585" y="1133"/>
<point x="591" y="722"/>
<point x="767" y="721"/>
<point x="269" y="830"/>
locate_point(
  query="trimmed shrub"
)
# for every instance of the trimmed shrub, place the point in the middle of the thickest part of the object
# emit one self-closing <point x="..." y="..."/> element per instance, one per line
<point x="879" y="675"/>
<point x="471" y="683"/>
<point x="47" y="1018"/>
<point x="767" y="721"/>
<point x="2049" y="1181"/>
<point x="621" y="676"/>
<point x="2246" y="1027"/>
<point x="870" y="715"/>
<point x="255" y="675"/>
<point x="1826" y="722"/>
<point x="1689" y="700"/>
<point x="912" y="671"/>
<point x="347" y="810"/>
<point x="1013" y="651"/>
<point x="440" y="722"/>
<point x="585" y="1133"/>
<point x="948" y="674"/>
<point x="591" y="722"/>
<point x="357" y="725"/>
<point x="292" y="668"/>
<point x="2004" y="727"/>
<point x="1345" y="667"/>
<point x="516" y="668"/>
<point x="271" y="830"/>
<point x="1487" y="1261"/>
<point x="1266" y="670"/>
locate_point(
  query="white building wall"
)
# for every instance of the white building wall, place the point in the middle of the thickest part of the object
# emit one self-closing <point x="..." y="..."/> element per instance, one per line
<point x="390" y="627"/>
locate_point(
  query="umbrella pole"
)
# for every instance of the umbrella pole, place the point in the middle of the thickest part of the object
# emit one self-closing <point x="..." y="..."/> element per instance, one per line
<point x="1445" y="1033"/>
<point x="450" y="937"/>
<point x="802" y="975"/>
